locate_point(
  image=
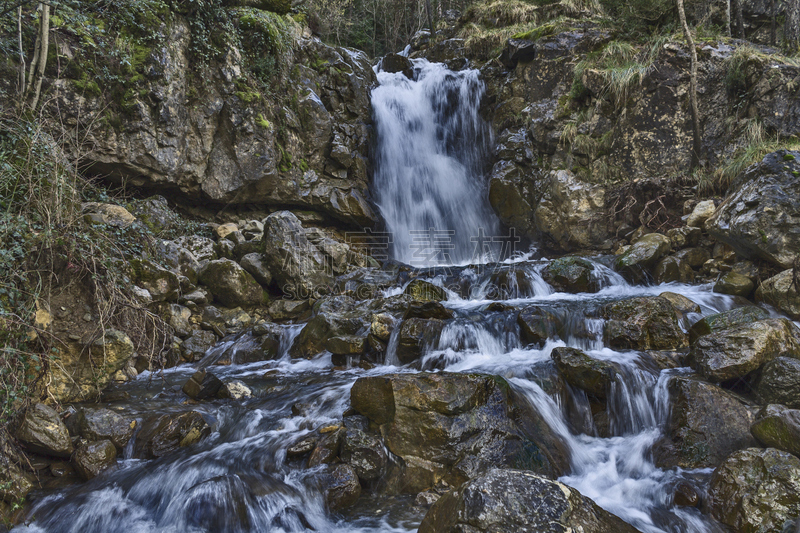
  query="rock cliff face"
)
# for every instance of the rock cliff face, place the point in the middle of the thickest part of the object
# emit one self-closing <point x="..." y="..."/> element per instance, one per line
<point x="301" y="143"/>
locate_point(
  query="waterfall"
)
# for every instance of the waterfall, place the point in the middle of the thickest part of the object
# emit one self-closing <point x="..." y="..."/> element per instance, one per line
<point x="432" y="146"/>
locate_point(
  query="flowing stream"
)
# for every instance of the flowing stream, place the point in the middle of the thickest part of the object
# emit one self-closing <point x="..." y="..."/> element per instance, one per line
<point x="240" y="480"/>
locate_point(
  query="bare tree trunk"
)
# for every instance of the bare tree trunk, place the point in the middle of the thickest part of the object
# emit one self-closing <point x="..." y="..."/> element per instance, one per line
<point x="791" y="29"/>
<point x="36" y="47"/>
<point x="44" y="33"/>
<point x="430" y="18"/>
<point x="739" y="19"/>
<point x="21" y="54"/>
<point x="728" y="17"/>
<point x="696" y="145"/>
<point x="773" y="30"/>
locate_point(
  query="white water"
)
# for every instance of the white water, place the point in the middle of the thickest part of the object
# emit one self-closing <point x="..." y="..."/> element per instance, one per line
<point x="429" y="165"/>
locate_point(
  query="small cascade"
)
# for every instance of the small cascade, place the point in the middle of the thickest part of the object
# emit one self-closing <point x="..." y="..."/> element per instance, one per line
<point x="431" y="152"/>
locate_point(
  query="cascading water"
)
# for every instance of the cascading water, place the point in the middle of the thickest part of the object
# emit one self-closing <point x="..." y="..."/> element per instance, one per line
<point x="432" y="148"/>
<point x="241" y="479"/>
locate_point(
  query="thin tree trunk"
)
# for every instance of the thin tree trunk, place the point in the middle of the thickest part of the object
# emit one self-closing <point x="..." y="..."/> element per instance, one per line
<point x="728" y="17"/>
<point x="42" y="63"/>
<point x="791" y="30"/>
<point x="773" y="30"/>
<point x="32" y="68"/>
<point x="430" y="17"/>
<point x="696" y="145"/>
<point x="21" y="54"/>
<point x="739" y="18"/>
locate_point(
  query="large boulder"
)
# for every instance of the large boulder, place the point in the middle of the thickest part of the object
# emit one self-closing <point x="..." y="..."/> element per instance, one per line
<point x="779" y="382"/>
<point x="42" y="431"/>
<point x="777" y="426"/>
<point x="760" y="218"/>
<point x="231" y="285"/>
<point x="572" y="214"/>
<point x="514" y="501"/>
<point x="342" y="488"/>
<point x="643" y="323"/>
<point x="735" y="352"/>
<point x="782" y="292"/>
<point x="536" y="325"/>
<point x="104" y="424"/>
<point x="163" y="434"/>
<point x="365" y="453"/>
<point x="344" y="322"/>
<point x="706" y="424"/>
<point x="513" y="195"/>
<point x="451" y="427"/>
<point x="417" y="334"/>
<point x="296" y="264"/>
<point x="734" y="284"/>
<point x="643" y="255"/>
<point x="726" y="320"/>
<point x="756" y="490"/>
<point x="571" y="274"/>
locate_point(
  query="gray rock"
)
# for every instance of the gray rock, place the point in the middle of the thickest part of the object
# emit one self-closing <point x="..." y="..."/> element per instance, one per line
<point x="230" y="284"/>
<point x="161" y="435"/>
<point x="417" y="334"/>
<point x="594" y="376"/>
<point x="104" y="424"/>
<point x="196" y="345"/>
<point x="781" y="291"/>
<point x="92" y="458"/>
<point x="725" y="320"/>
<point x="777" y="426"/>
<point x="734" y="284"/>
<point x="42" y="431"/>
<point x="254" y="264"/>
<point x="779" y="382"/>
<point x="643" y="255"/>
<point x="364" y="453"/>
<point x="643" y="323"/>
<point x="514" y="501"/>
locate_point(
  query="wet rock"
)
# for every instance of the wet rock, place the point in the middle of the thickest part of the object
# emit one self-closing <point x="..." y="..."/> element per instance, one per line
<point x="314" y="336"/>
<point x="427" y="310"/>
<point x="570" y="274"/>
<point x="254" y="265"/>
<point x="779" y="382"/>
<point x="42" y="431"/>
<point x="452" y="426"/>
<point x="202" y="385"/>
<point x="536" y="325"/>
<point x="644" y="323"/>
<point x="92" y="458"/>
<point x="706" y="425"/>
<point x="381" y="326"/>
<point x="289" y="309"/>
<point x="197" y="344"/>
<point x="342" y="488"/>
<point x="735" y="352"/>
<point x="346" y="345"/>
<point x="759" y="216"/>
<point x="635" y="263"/>
<point x="572" y="213"/>
<point x="296" y="263"/>
<point x="162" y="284"/>
<point x="726" y="320"/>
<point x="685" y="495"/>
<point x="426" y="499"/>
<point x="734" y="284"/>
<point x="694" y="257"/>
<point x="104" y="424"/>
<point x="511" y="501"/>
<point x="517" y="50"/>
<point x="513" y="194"/>
<point x="364" y="453"/>
<point x="782" y="292"/>
<point x="594" y="376"/>
<point x="425" y="291"/>
<point x="230" y="284"/>
<point x="163" y="434"/>
<point x="680" y="303"/>
<point x="684" y="237"/>
<point x="327" y="449"/>
<point x="777" y="426"/>
<point x="417" y="334"/>
<point x="235" y="390"/>
<point x="701" y="212"/>
<point x="671" y="269"/>
<point x="397" y="63"/>
<point x="756" y="490"/>
<point x="302" y="448"/>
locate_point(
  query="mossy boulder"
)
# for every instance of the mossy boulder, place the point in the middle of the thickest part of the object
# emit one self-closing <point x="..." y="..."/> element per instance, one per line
<point x="777" y="426"/>
<point x="735" y="352"/>
<point x="425" y="291"/>
<point x="779" y="382"/>
<point x="726" y="320"/>
<point x="706" y="424"/>
<point x="230" y="284"/>
<point x="756" y="490"/>
<point x="734" y="284"/>
<point x="643" y="323"/>
<point x="636" y="262"/>
<point x="162" y="284"/>
<point x="581" y="370"/>
<point x="571" y="274"/>
<point x="514" y="501"/>
<point x="781" y="291"/>
<point x="91" y="458"/>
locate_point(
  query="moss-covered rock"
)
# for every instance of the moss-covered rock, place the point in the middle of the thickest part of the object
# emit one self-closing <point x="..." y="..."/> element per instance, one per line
<point x="756" y="490"/>
<point x="779" y="382"/>
<point x="777" y="426"/>
<point x="162" y="284"/>
<point x="230" y="284"/>
<point x="644" y="323"/>
<point x="726" y="320"/>
<point x="571" y="274"/>
<point x="734" y="284"/>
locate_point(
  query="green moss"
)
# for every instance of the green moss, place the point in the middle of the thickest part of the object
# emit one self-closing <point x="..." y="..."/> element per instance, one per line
<point x="262" y="121"/>
<point x="88" y="86"/>
<point x="788" y="157"/>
